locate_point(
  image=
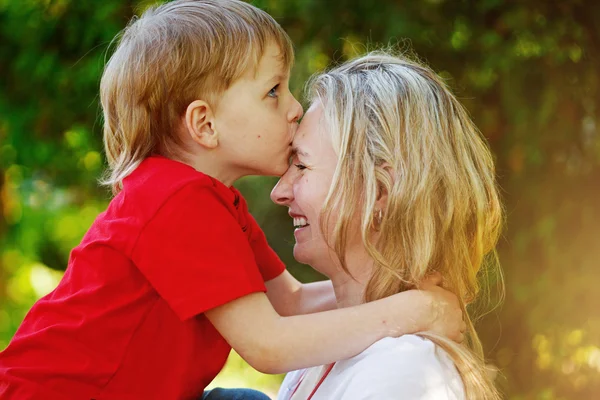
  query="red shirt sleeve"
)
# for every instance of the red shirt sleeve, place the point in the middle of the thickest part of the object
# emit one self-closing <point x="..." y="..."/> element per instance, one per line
<point x="195" y="253"/>
<point x="269" y="263"/>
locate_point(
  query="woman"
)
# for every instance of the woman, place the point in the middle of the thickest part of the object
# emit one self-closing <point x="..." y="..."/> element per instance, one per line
<point x="391" y="181"/>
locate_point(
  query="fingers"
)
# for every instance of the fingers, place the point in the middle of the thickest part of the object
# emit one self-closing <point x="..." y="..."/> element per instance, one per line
<point x="462" y="333"/>
<point x="433" y="279"/>
<point x="457" y="336"/>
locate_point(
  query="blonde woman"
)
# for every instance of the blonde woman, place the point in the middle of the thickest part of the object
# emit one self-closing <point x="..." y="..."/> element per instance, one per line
<point x="391" y="181"/>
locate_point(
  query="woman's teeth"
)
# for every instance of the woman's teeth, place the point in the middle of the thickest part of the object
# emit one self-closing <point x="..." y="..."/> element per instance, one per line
<point x="300" y="222"/>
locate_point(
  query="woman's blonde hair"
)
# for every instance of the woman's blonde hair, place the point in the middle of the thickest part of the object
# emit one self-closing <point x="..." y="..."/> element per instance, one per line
<point x="399" y="131"/>
<point x="172" y="55"/>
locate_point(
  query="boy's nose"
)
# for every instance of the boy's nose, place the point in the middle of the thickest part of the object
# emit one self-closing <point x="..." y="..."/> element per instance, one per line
<point x="296" y="111"/>
<point x="282" y="192"/>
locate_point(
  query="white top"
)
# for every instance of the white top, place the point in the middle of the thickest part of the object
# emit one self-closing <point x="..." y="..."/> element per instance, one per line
<point x="408" y="367"/>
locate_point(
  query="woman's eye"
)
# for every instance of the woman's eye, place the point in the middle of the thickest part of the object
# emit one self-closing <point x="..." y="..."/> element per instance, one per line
<point x="300" y="167"/>
<point x="273" y="92"/>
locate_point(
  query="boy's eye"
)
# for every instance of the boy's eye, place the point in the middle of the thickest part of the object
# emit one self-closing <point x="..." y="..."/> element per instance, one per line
<point x="300" y="167"/>
<point x="273" y="92"/>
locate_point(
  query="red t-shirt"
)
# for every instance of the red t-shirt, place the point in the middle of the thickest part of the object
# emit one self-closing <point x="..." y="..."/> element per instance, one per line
<point x="126" y="321"/>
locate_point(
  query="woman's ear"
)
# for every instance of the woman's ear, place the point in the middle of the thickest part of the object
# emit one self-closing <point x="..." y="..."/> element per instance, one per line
<point x="382" y="192"/>
<point x="200" y="124"/>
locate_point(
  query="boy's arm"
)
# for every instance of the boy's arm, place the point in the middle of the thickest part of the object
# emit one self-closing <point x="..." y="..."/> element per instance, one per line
<point x="287" y="295"/>
<point x="274" y="344"/>
<point x="291" y="297"/>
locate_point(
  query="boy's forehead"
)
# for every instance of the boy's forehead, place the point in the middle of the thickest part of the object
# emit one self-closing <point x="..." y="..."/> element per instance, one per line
<point x="271" y="64"/>
<point x="270" y="69"/>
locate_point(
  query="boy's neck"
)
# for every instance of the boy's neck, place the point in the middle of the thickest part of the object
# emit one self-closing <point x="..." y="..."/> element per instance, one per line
<point x="209" y="164"/>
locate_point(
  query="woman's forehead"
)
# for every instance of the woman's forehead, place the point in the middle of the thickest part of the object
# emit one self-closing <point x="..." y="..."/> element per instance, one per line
<point x="313" y="140"/>
<point x="311" y="122"/>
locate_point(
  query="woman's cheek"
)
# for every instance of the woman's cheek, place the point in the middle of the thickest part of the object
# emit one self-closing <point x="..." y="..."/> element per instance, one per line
<point x="303" y="198"/>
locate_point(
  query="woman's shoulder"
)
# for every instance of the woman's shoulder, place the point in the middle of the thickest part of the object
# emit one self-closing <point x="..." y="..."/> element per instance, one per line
<point x="410" y="354"/>
<point x="406" y="349"/>
<point x="409" y="364"/>
<point x="406" y="344"/>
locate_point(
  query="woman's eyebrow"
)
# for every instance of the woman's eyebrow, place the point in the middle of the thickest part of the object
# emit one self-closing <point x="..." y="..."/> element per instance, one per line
<point x="299" y="151"/>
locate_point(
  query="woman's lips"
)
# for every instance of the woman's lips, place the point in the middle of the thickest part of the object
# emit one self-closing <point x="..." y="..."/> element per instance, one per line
<point x="300" y="222"/>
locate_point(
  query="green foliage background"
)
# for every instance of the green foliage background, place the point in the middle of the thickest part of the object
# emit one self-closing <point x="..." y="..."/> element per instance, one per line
<point x="527" y="71"/>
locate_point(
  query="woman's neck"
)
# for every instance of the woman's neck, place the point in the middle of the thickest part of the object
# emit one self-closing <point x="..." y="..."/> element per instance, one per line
<point x="350" y="290"/>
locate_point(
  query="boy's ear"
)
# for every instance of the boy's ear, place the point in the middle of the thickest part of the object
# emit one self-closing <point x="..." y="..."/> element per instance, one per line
<point x="200" y="124"/>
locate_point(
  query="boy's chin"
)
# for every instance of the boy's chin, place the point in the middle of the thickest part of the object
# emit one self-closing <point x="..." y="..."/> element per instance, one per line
<point x="275" y="170"/>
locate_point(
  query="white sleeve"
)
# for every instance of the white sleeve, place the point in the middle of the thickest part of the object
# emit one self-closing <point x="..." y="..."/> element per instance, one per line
<point x="289" y="383"/>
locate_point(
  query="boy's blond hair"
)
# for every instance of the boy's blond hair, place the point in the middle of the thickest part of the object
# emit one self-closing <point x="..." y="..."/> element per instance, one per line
<point x="172" y="55"/>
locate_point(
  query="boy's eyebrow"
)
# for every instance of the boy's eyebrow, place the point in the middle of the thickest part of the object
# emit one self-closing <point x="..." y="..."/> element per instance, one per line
<point x="278" y="78"/>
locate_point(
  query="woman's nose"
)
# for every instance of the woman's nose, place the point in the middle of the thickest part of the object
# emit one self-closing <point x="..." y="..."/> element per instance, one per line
<point x="282" y="192"/>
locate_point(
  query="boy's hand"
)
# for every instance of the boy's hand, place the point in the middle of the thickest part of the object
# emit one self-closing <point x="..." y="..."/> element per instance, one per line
<point x="426" y="308"/>
<point x="437" y="310"/>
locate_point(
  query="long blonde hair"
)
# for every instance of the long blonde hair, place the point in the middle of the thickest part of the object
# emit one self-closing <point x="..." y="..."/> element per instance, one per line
<point x="172" y="55"/>
<point x="398" y="130"/>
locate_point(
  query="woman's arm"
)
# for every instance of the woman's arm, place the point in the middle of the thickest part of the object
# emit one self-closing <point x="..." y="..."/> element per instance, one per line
<point x="274" y="344"/>
<point x="291" y="297"/>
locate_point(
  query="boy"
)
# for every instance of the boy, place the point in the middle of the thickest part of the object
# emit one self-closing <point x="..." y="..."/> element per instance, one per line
<point x="172" y="274"/>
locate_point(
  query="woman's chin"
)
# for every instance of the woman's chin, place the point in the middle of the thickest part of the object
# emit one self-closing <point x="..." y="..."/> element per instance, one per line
<point x="314" y="258"/>
<point x="300" y="254"/>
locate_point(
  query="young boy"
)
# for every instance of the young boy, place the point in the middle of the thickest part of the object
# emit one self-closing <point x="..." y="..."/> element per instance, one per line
<point x="173" y="273"/>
